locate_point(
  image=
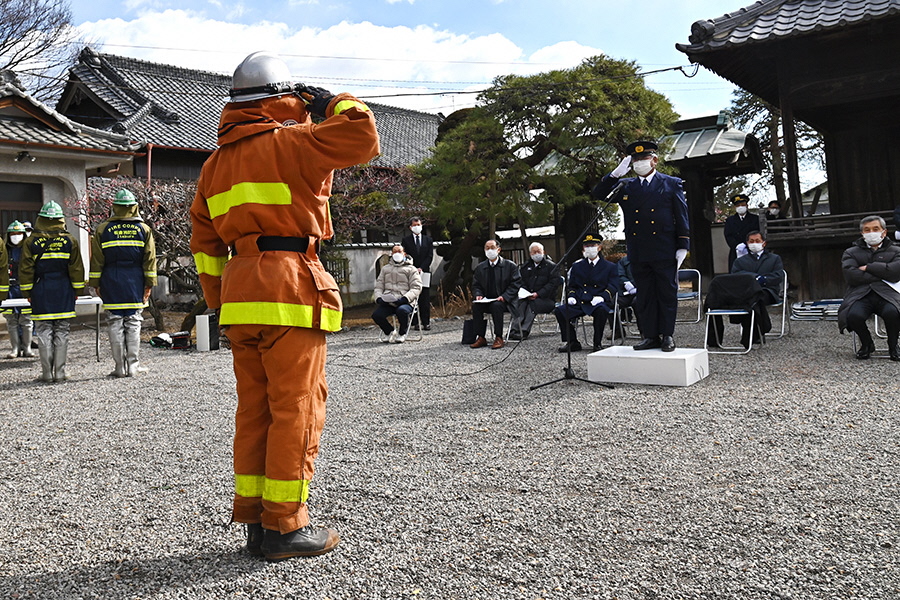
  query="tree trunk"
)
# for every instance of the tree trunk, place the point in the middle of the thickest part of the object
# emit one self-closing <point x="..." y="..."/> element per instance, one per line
<point x="777" y="160"/>
<point x="158" y="322"/>
<point x="191" y="317"/>
<point x="454" y="269"/>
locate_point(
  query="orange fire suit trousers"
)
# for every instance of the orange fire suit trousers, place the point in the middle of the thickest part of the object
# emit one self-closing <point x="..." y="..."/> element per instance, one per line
<point x="281" y="390"/>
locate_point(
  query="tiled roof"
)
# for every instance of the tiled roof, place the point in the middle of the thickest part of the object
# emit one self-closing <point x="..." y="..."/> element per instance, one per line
<point x="177" y="107"/>
<point x="769" y="20"/>
<point x="26" y="120"/>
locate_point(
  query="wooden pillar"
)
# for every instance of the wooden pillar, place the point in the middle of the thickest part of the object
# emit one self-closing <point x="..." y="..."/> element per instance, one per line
<point x="698" y="192"/>
<point x="790" y="138"/>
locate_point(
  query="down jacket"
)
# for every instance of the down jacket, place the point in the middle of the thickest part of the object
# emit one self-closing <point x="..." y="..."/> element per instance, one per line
<point x="399" y="280"/>
<point x="882" y="264"/>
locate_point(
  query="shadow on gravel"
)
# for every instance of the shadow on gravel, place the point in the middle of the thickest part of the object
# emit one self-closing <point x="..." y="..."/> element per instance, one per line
<point x="134" y="577"/>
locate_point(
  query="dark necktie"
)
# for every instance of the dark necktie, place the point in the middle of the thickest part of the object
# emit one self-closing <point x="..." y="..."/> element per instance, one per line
<point x="644" y="184"/>
<point x="418" y="242"/>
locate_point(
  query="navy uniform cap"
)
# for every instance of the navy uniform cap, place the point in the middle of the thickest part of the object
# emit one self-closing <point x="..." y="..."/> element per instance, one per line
<point x="740" y="198"/>
<point x="644" y="147"/>
<point x="592" y="239"/>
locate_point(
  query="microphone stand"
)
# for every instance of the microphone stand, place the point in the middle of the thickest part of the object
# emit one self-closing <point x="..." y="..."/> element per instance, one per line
<point x="568" y="373"/>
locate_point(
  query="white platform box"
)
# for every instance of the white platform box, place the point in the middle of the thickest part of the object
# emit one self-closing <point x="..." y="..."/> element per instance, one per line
<point x="623" y="364"/>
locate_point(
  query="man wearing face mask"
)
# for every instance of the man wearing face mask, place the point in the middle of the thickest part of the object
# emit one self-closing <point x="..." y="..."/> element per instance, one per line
<point x="870" y="265"/>
<point x="397" y="287"/>
<point x="737" y="226"/>
<point x="657" y="234"/>
<point x="420" y="248"/>
<point x="591" y="290"/>
<point x="18" y="320"/>
<point x="495" y="286"/>
<point x="540" y="280"/>
<point x="769" y="271"/>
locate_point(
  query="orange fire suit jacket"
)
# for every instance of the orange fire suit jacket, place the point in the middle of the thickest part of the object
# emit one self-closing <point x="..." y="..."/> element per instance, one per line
<point x="271" y="176"/>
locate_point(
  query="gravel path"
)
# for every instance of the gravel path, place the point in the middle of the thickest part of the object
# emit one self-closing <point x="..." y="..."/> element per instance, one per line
<point x="776" y="477"/>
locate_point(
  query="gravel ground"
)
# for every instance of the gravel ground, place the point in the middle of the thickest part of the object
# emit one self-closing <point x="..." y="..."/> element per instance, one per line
<point x="775" y="477"/>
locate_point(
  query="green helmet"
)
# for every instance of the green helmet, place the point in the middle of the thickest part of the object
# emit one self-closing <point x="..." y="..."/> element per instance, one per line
<point x="51" y="210"/>
<point x="15" y="227"/>
<point x="124" y="198"/>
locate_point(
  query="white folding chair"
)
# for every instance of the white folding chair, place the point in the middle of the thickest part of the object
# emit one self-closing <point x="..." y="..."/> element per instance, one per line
<point x="695" y="293"/>
<point x="783" y="304"/>
<point x="727" y="312"/>
<point x="412" y="335"/>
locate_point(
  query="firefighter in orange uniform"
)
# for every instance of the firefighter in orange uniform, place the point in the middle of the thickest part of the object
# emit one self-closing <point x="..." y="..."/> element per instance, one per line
<point x="262" y="199"/>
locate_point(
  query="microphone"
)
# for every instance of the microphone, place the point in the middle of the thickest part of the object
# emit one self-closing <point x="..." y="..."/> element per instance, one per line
<point x="615" y="190"/>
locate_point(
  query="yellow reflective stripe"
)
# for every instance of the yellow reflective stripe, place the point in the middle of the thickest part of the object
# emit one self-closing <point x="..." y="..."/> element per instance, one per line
<point x="51" y="316"/>
<point x="210" y="265"/>
<point x="4" y="288"/>
<point x="94" y="274"/>
<point x="65" y="255"/>
<point x="277" y="313"/>
<point x="124" y="305"/>
<point x="249" y="193"/>
<point x="78" y="285"/>
<point x="276" y="490"/>
<point x="331" y="320"/>
<point x="114" y="243"/>
<point x="249" y="486"/>
<point x="26" y="286"/>
<point x="149" y="273"/>
<point x="345" y="104"/>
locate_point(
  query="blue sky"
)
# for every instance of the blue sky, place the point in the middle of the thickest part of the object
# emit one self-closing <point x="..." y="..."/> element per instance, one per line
<point x="382" y="47"/>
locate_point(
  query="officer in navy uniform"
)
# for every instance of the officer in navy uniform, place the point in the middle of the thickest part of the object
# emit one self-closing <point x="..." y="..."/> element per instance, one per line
<point x="123" y="271"/>
<point x="738" y="226"/>
<point x="657" y="232"/>
<point x="591" y="289"/>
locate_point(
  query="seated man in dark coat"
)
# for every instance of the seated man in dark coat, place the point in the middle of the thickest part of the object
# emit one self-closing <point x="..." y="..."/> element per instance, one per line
<point x="871" y="265"/>
<point x="738" y="225"/>
<point x="591" y="290"/>
<point x="540" y="280"/>
<point x="769" y="272"/>
<point x="495" y="286"/>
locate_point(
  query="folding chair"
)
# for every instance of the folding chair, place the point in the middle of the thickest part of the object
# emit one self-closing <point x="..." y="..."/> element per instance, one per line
<point x="785" y="323"/>
<point x="734" y="295"/>
<point x="542" y="318"/>
<point x="694" y="294"/>
<point x="412" y="335"/>
<point x="620" y="324"/>
<point x="727" y="312"/>
<point x="879" y="353"/>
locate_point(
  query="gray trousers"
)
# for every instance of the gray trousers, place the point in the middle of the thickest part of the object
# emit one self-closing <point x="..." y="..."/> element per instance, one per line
<point x="125" y="342"/>
<point x="53" y="347"/>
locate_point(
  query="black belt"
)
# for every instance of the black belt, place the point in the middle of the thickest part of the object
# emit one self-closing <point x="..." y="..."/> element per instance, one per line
<point x="267" y="243"/>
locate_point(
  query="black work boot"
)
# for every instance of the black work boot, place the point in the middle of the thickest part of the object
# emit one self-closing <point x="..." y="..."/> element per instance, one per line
<point x="306" y="541"/>
<point x="255" y="534"/>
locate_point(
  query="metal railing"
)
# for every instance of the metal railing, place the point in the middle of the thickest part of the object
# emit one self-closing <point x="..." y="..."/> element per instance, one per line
<point x="819" y="227"/>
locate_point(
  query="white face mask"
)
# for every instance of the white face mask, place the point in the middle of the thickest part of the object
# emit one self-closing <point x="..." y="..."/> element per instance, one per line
<point x="642" y="167"/>
<point x="591" y="252"/>
<point x="398" y="257"/>
<point x="741" y="210"/>
<point x="416" y="229"/>
<point x="16" y="238"/>
<point x="755" y="248"/>
<point x="537" y="257"/>
<point x="873" y="238"/>
<point x="492" y="254"/>
<point x="774" y="212"/>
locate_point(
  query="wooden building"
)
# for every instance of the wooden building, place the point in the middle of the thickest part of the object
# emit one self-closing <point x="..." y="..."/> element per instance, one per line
<point x="832" y="65"/>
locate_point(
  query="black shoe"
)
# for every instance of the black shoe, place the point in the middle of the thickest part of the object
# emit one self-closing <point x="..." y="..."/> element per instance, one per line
<point x="515" y="335"/>
<point x="668" y="344"/>
<point x="865" y="351"/>
<point x="597" y="348"/>
<point x="525" y="334"/>
<point x="416" y="327"/>
<point x="306" y="541"/>
<point x="894" y="352"/>
<point x="255" y="535"/>
<point x="426" y="327"/>
<point x="574" y="347"/>
<point x="648" y="344"/>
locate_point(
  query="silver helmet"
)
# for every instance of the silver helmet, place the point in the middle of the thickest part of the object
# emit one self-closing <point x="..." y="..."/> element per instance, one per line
<point x="260" y="75"/>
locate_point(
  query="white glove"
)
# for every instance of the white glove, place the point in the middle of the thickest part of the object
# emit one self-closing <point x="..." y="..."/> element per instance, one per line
<point x="680" y="255"/>
<point x="741" y="249"/>
<point x="623" y="168"/>
<point x="629" y="287"/>
<point x="897" y="235"/>
<point x="596" y="300"/>
<point x="572" y="301"/>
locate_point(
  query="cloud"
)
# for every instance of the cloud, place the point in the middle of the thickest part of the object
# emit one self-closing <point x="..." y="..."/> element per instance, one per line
<point x="362" y="58"/>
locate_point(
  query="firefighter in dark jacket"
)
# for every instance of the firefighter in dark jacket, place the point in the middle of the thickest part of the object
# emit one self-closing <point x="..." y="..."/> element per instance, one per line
<point x="51" y="274"/>
<point x="18" y="320"/>
<point x="123" y="271"/>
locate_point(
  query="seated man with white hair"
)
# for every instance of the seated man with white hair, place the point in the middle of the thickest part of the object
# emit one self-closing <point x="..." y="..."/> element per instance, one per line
<point x="540" y="282"/>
